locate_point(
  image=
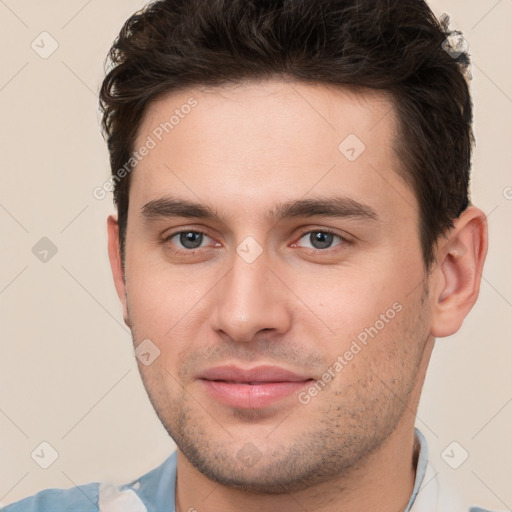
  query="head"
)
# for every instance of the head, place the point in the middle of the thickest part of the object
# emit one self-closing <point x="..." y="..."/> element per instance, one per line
<point x="295" y="196"/>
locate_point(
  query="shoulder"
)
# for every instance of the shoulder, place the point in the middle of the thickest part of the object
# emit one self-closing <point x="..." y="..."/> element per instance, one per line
<point x="154" y="490"/>
<point x="83" y="498"/>
<point x="431" y="492"/>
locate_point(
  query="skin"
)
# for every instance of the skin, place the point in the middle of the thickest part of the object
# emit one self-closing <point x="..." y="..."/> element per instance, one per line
<point x="243" y="151"/>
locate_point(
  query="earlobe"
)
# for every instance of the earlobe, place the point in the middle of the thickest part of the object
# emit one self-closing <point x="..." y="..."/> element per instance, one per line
<point x="460" y="263"/>
<point x="114" y="255"/>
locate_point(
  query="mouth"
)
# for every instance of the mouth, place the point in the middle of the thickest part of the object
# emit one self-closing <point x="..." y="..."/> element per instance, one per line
<point x="252" y="388"/>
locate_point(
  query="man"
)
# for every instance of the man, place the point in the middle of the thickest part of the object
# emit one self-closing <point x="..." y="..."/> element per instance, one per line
<point x="293" y="233"/>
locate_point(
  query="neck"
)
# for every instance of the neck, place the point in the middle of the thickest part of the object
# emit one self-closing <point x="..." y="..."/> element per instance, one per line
<point x="384" y="482"/>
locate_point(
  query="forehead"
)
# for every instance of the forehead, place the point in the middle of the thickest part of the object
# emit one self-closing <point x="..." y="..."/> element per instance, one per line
<point x="256" y="143"/>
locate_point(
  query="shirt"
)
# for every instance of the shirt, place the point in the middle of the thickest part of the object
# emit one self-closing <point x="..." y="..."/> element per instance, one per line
<point x="155" y="492"/>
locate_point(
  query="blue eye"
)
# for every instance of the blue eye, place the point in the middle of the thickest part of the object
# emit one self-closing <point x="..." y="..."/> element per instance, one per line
<point x="189" y="239"/>
<point x="321" y="239"/>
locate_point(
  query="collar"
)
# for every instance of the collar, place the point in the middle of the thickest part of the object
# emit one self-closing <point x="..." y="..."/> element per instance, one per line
<point x="155" y="491"/>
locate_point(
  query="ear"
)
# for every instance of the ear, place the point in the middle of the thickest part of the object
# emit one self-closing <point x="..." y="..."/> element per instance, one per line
<point x="114" y="255"/>
<point x="460" y="261"/>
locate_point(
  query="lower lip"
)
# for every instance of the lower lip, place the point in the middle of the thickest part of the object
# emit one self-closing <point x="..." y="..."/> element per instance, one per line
<point x="252" y="396"/>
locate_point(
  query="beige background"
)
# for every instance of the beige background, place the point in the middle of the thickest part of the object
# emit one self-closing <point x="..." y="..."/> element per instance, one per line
<point x="67" y="371"/>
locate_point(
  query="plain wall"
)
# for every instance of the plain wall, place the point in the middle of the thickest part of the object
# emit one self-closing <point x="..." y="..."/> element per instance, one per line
<point x="68" y="375"/>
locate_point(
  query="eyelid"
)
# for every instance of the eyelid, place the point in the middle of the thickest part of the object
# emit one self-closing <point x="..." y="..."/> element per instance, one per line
<point x="169" y="233"/>
<point x="345" y="238"/>
<point x="166" y="238"/>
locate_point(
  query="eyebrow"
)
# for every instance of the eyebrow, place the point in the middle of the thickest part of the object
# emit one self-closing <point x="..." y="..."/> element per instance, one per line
<point x="336" y="207"/>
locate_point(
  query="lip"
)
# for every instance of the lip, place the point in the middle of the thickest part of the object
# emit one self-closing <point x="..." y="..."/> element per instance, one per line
<point x="252" y="388"/>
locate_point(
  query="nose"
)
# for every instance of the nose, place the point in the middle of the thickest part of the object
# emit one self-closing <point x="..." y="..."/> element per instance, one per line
<point x="251" y="298"/>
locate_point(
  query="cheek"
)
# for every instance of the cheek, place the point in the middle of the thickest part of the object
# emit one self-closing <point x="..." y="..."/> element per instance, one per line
<point x="160" y="294"/>
<point x="349" y="298"/>
<point x="168" y="307"/>
<point x="366" y="311"/>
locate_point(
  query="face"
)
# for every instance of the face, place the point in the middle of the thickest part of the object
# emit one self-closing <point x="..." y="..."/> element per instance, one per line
<point x="273" y="261"/>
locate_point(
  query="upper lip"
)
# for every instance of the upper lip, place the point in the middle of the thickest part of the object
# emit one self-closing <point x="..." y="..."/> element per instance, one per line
<point x="231" y="373"/>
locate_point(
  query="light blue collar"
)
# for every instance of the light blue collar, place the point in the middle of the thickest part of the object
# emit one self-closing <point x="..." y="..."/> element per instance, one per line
<point x="157" y="489"/>
<point x="421" y="467"/>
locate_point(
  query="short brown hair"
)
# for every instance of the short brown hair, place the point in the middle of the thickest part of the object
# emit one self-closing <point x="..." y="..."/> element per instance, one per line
<point x="396" y="46"/>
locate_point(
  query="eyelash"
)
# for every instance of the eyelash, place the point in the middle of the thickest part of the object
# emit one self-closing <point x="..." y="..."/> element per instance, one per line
<point x="168" y="238"/>
<point x="343" y="241"/>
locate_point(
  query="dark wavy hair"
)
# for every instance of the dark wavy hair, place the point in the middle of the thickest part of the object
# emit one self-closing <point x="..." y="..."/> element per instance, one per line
<point x="395" y="46"/>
